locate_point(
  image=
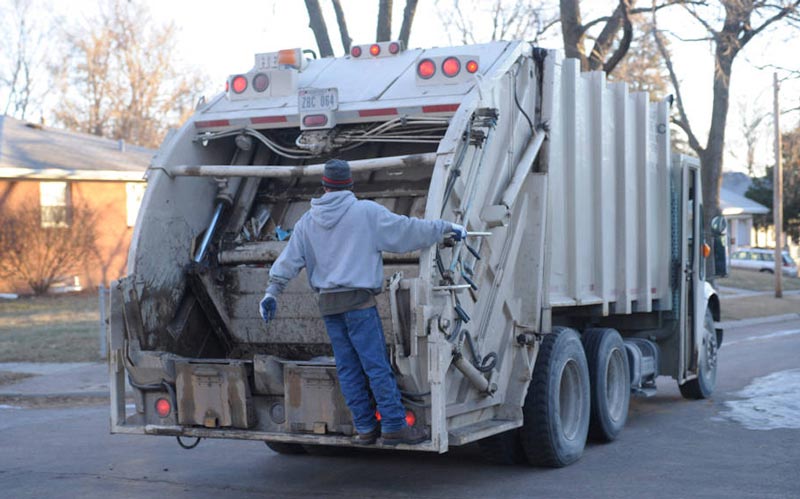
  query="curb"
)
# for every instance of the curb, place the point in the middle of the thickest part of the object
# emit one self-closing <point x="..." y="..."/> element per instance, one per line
<point x="44" y="396"/>
<point x="759" y="320"/>
<point x="52" y="397"/>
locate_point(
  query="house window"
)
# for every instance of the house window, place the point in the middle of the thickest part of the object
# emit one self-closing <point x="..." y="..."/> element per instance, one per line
<point x="54" y="200"/>
<point x="134" y="192"/>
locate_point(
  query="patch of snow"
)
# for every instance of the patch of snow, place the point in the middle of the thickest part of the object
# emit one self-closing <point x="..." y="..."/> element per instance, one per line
<point x="768" y="403"/>
<point x="3" y="406"/>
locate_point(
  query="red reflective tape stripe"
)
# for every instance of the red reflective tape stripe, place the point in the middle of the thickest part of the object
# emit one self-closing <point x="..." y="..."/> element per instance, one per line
<point x="440" y="108"/>
<point x="377" y="112"/>
<point x="210" y="123"/>
<point x="268" y="119"/>
<point x="336" y="182"/>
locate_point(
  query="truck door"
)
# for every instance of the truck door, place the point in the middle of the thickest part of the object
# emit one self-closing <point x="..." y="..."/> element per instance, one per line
<point x="693" y="269"/>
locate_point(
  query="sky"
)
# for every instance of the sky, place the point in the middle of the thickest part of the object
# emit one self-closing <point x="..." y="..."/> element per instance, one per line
<point x="221" y="38"/>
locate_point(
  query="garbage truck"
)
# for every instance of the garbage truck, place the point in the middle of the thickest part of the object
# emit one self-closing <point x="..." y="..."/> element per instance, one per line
<point x="582" y="280"/>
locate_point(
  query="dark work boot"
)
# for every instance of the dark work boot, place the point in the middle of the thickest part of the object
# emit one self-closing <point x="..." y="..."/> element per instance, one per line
<point x="410" y="435"/>
<point x="368" y="438"/>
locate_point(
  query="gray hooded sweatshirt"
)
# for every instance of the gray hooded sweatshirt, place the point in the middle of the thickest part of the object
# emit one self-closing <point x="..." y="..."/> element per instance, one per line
<point x="340" y="239"/>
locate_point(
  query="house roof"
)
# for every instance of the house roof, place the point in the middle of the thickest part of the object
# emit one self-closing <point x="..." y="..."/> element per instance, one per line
<point x="736" y="182"/>
<point x="735" y="204"/>
<point x="29" y="151"/>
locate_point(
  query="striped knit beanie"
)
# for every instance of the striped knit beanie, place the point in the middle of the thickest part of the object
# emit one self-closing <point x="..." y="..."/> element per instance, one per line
<point x="337" y="175"/>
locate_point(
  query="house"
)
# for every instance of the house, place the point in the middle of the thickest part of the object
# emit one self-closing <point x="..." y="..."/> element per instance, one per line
<point x="738" y="211"/>
<point x="59" y="170"/>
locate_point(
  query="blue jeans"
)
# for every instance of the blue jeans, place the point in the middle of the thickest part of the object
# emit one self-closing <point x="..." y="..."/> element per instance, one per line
<point x="360" y="351"/>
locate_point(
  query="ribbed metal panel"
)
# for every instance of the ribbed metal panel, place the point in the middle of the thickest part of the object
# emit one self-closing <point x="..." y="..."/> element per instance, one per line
<point x="608" y="160"/>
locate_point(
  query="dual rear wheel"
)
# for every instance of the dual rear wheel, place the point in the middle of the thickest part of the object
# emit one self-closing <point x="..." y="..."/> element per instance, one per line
<point x="580" y="387"/>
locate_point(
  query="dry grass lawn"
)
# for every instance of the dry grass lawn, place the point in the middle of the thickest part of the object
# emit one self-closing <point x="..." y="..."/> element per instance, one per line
<point x="756" y="281"/>
<point x="50" y="329"/>
<point x="758" y="306"/>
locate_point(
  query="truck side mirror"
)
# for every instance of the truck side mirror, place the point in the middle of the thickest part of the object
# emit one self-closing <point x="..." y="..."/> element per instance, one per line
<point x="719" y="228"/>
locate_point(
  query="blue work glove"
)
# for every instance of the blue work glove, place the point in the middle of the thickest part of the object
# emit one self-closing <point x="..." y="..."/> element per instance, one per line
<point x="458" y="231"/>
<point x="267" y="307"/>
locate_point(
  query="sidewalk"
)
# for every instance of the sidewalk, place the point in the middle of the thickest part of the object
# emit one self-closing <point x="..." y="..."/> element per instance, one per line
<point x="53" y="383"/>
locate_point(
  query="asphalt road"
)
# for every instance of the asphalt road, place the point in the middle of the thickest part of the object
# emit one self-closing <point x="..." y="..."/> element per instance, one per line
<point x="670" y="448"/>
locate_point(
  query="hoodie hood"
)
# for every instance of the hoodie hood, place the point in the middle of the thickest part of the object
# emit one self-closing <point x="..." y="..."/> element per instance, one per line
<point x="331" y="207"/>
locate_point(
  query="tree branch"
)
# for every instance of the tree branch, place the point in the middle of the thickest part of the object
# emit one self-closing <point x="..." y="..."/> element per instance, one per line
<point x="638" y="10"/>
<point x="622" y="48"/>
<point x="785" y="11"/>
<point x="317" y="25"/>
<point x="714" y="34"/>
<point x="683" y="122"/>
<point x="384" y="31"/>
<point x="340" y="20"/>
<point x="408" y="19"/>
<point x="606" y="38"/>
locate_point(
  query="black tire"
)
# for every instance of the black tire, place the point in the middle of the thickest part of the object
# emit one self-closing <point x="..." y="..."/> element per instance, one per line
<point x="556" y="410"/>
<point x="703" y="385"/>
<point x="503" y="448"/>
<point x="286" y="448"/>
<point x="610" y="383"/>
<point x="767" y="271"/>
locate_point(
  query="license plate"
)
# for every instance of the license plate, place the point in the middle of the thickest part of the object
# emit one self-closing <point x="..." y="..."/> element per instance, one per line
<point x="317" y="99"/>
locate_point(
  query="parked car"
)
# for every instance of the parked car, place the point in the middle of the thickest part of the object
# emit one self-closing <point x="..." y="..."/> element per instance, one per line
<point x="762" y="260"/>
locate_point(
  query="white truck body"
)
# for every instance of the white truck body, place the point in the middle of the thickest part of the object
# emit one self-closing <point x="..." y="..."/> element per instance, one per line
<point x="583" y="219"/>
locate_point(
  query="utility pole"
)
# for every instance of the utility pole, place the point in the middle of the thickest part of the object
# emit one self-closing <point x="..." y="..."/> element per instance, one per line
<point x="777" y="195"/>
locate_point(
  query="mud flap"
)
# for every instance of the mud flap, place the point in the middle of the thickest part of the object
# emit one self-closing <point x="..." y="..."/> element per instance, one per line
<point x="214" y="395"/>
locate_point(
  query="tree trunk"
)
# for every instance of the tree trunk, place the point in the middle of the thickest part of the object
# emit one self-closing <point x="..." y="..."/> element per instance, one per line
<point x="572" y="31"/>
<point x="408" y="19"/>
<point x="340" y="20"/>
<point x="711" y="157"/>
<point x="384" y="33"/>
<point x="317" y="25"/>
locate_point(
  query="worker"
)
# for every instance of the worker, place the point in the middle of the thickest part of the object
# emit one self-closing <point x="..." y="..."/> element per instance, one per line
<point x="339" y="242"/>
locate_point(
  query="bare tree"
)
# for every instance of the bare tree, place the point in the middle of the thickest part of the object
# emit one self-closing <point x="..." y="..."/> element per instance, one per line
<point x="508" y="19"/>
<point x="742" y="21"/>
<point x="614" y="39"/>
<point x="22" y="55"/>
<point x="121" y="78"/>
<point x="384" y="24"/>
<point x="40" y="255"/>
<point x="642" y="67"/>
<point x="750" y="126"/>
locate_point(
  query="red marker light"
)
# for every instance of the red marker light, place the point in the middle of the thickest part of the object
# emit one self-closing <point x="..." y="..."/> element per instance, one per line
<point x="163" y="407"/>
<point x="375" y="49"/>
<point x="426" y="69"/>
<point x="315" y="120"/>
<point x="472" y="66"/>
<point x="260" y="82"/>
<point x="451" y="67"/>
<point x="355" y="51"/>
<point x="394" y="48"/>
<point x="239" y="84"/>
<point x="411" y="418"/>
